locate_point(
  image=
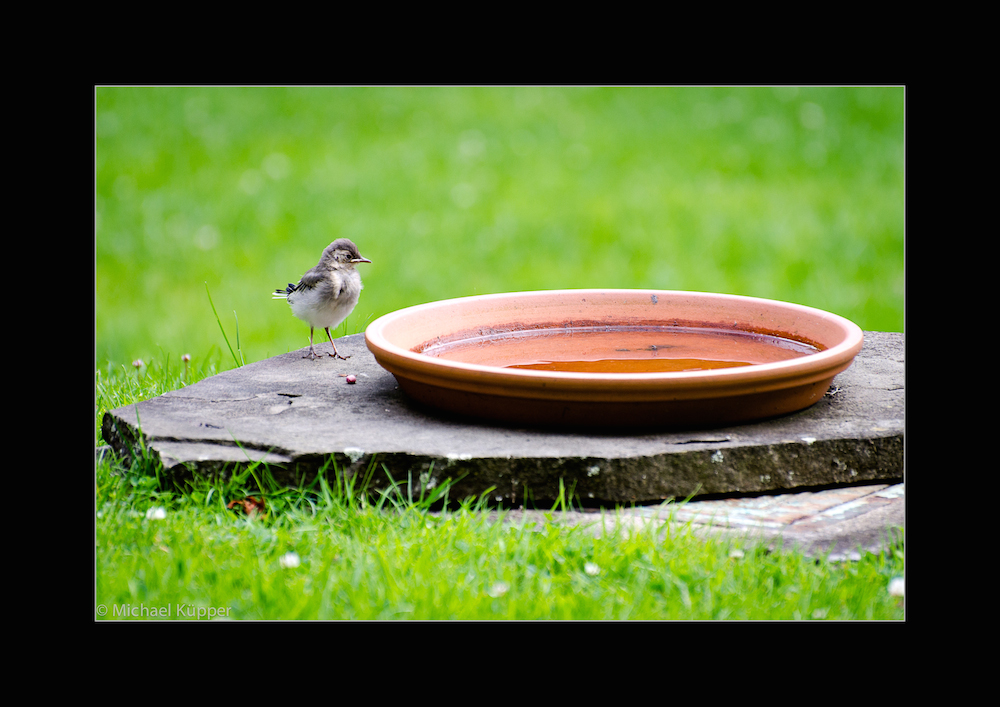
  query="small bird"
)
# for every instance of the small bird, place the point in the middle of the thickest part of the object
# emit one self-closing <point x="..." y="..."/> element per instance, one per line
<point x="327" y="293"/>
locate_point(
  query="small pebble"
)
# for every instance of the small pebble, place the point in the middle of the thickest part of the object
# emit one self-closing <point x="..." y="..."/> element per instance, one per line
<point x="352" y="379"/>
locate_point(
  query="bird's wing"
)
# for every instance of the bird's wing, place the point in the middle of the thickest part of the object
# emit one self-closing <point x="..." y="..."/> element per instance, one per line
<point x="312" y="278"/>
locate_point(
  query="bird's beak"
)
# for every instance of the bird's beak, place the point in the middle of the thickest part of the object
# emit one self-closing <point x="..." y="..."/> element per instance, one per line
<point x="360" y="260"/>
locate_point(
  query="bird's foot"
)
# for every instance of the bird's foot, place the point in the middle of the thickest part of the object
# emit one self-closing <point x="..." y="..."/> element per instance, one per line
<point x="312" y="355"/>
<point x="336" y="354"/>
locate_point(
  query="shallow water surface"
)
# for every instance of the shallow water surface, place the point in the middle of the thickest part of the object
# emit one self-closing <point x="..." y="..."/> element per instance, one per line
<point x="622" y="349"/>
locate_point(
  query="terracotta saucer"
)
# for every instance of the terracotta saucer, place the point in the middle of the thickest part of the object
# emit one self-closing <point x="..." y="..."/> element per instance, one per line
<point x="614" y="358"/>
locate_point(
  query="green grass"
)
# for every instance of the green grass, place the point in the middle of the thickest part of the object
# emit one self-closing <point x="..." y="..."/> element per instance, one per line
<point x="184" y="550"/>
<point x="794" y="194"/>
<point x="209" y="198"/>
<point x="167" y="545"/>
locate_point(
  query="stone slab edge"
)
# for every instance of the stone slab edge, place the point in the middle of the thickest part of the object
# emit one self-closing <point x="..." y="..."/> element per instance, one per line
<point x="705" y="464"/>
<point x="824" y="523"/>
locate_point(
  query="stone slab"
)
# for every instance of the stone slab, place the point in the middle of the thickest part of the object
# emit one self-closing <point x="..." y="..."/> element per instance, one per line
<point x="840" y="523"/>
<point x="297" y="415"/>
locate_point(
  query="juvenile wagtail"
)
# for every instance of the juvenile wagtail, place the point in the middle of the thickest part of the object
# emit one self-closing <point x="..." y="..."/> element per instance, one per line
<point x="327" y="293"/>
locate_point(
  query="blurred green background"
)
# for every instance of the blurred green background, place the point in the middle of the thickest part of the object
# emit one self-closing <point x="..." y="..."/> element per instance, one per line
<point x="787" y="193"/>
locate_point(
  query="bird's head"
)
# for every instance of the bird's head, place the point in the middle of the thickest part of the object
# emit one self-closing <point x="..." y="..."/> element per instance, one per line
<point x="343" y="252"/>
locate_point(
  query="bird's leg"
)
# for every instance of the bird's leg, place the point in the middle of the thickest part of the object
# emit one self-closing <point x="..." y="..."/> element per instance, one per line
<point x="335" y="354"/>
<point x="312" y="351"/>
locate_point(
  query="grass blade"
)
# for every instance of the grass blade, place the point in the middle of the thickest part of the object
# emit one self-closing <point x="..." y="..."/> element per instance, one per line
<point x="238" y="347"/>
<point x="220" y="326"/>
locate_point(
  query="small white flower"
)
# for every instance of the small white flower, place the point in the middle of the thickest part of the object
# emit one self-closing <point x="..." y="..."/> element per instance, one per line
<point x="736" y="554"/>
<point x="156" y="513"/>
<point x="896" y="587"/>
<point x="592" y="569"/>
<point x="498" y="589"/>
<point x="289" y="560"/>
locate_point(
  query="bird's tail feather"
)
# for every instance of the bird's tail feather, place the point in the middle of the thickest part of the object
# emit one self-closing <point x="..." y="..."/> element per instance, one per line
<point x="282" y="294"/>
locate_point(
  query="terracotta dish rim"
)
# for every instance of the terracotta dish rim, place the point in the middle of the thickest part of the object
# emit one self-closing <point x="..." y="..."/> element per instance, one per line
<point x="402" y="361"/>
